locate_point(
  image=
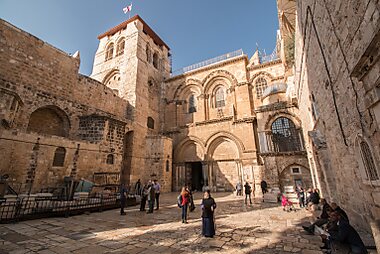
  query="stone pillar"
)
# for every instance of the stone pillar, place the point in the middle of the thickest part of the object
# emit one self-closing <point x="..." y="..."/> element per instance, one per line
<point x="375" y="227"/>
<point x="205" y="173"/>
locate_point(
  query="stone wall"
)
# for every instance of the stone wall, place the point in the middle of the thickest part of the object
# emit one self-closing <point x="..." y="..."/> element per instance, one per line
<point x="337" y="85"/>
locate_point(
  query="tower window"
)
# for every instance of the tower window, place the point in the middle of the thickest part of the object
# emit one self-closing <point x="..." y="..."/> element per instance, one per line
<point x="219" y="98"/>
<point x="150" y="123"/>
<point x="110" y="159"/>
<point x="261" y="85"/>
<point x="59" y="157"/>
<point x="148" y="54"/>
<point x="109" y="52"/>
<point x="155" y="60"/>
<point x="120" y="47"/>
<point x="192" y="104"/>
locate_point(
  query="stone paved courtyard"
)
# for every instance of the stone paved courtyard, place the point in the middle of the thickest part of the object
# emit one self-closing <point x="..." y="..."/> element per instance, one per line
<point x="260" y="228"/>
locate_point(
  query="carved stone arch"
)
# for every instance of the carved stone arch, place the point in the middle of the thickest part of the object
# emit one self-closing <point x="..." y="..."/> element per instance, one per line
<point x="184" y="144"/>
<point x="184" y="85"/>
<point x="222" y="134"/>
<point x="110" y="74"/>
<point x="294" y="164"/>
<point x="273" y="117"/>
<point x="208" y="81"/>
<point x="49" y="120"/>
<point x="265" y="74"/>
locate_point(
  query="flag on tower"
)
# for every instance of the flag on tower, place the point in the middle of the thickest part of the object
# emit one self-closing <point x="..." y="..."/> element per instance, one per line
<point x="127" y="8"/>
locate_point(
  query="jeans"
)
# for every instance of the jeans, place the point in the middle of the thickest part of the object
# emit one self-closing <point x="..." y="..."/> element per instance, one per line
<point x="246" y="196"/>
<point x="123" y="201"/>
<point x="151" y="205"/>
<point x="184" y="212"/>
<point x="157" y="196"/>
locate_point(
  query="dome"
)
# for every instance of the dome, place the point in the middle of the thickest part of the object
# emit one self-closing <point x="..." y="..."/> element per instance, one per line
<point x="275" y="88"/>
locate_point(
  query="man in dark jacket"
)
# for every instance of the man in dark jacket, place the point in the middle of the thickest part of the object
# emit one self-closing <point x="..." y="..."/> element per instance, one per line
<point x="247" y="190"/>
<point x="346" y="235"/>
<point x="338" y="209"/>
<point x="123" y="198"/>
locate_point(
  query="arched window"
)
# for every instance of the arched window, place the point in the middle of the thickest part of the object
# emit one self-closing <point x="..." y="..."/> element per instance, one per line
<point x="192" y="104"/>
<point x="109" y="52"/>
<point x="110" y="159"/>
<point x="155" y="60"/>
<point x="260" y="85"/>
<point x="219" y="98"/>
<point x="49" y="120"/>
<point x="368" y="161"/>
<point x="120" y="47"/>
<point x="150" y="123"/>
<point x="148" y="54"/>
<point x="59" y="157"/>
<point x="285" y="136"/>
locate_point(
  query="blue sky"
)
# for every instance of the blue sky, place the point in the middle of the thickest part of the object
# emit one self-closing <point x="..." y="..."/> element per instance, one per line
<point x="194" y="30"/>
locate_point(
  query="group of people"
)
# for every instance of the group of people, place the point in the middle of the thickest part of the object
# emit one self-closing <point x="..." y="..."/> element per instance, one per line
<point x="208" y="205"/>
<point x="333" y="226"/>
<point x="248" y="190"/>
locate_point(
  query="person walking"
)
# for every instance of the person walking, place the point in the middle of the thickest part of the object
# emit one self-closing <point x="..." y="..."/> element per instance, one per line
<point x="157" y="188"/>
<point x="301" y="196"/>
<point x="248" y="191"/>
<point x="151" y="197"/>
<point x="208" y="206"/>
<point x="123" y="198"/>
<point x="238" y="189"/>
<point x="185" y="200"/>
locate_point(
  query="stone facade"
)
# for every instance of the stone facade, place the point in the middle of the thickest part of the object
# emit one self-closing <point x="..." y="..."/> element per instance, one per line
<point x="232" y="120"/>
<point x="337" y="65"/>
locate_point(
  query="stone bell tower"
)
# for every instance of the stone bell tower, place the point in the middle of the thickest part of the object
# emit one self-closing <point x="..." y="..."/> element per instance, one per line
<point x="133" y="61"/>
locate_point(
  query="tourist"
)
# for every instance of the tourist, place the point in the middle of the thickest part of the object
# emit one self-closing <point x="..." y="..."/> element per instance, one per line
<point x="238" y="189"/>
<point x="138" y="187"/>
<point x="264" y="187"/>
<point x="208" y="206"/>
<point x="185" y="199"/>
<point x="151" y="197"/>
<point x="301" y="196"/>
<point x="123" y="198"/>
<point x="322" y="219"/>
<point x="345" y="235"/>
<point x="313" y="201"/>
<point x="247" y="190"/>
<point x="157" y="189"/>
<point x="287" y="205"/>
<point x="337" y="208"/>
<point x="144" y="197"/>
<point x="191" y="200"/>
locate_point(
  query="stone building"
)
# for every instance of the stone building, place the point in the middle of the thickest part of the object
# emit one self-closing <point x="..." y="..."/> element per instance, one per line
<point x="337" y="85"/>
<point x="227" y="120"/>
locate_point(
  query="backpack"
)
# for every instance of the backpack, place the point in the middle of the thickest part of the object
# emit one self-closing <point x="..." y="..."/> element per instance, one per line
<point x="179" y="201"/>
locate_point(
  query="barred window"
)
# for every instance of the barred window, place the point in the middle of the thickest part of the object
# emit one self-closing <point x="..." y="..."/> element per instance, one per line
<point x="120" y="47"/>
<point x="368" y="161"/>
<point x="285" y="136"/>
<point x="192" y="104"/>
<point x="110" y="159"/>
<point x="219" y="98"/>
<point x="167" y="166"/>
<point x="109" y="52"/>
<point x="59" y="157"/>
<point x="260" y="85"/>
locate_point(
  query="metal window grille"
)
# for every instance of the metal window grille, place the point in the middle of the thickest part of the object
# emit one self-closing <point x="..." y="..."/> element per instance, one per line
<point x="285" y="136"/>
<point x="59" y="157"/>
<point x="261" y="85"/>
<point x="368" y="161"/>
<point x="192" y="104"/>
<point x="219" y="98"/>
<point x="109" y="52"/>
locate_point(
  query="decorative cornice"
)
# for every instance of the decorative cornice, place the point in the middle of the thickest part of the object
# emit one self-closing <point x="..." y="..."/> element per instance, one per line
<point x="224" y="119"/>
<point x="264" y="65"/>
<point x="245" y="120"/>
<point x="209" y="67"/>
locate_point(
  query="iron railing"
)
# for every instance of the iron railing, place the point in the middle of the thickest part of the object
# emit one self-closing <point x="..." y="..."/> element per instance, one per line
<point x="31" y="207"/>
<point x="208" y="62"/>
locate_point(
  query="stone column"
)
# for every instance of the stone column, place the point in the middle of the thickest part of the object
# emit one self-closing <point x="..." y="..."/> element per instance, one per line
<point x="205" y="173"/>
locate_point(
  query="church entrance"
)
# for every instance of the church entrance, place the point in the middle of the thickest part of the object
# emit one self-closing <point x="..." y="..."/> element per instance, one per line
<point x="195" y="178"/>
